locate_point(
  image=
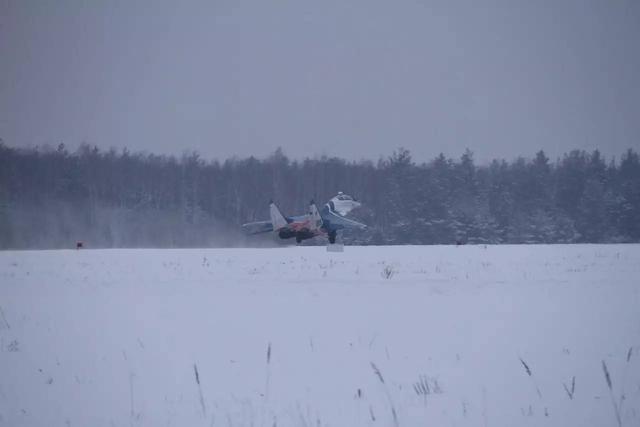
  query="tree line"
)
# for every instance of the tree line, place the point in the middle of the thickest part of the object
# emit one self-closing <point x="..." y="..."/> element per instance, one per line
<point x="53" y="197"/>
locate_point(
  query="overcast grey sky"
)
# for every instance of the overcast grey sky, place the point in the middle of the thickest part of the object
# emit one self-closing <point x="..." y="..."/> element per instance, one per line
<point x="353" y="78"/>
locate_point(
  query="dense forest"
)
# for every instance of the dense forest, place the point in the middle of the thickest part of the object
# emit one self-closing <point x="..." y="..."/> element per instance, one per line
<point x="51" y="198"/>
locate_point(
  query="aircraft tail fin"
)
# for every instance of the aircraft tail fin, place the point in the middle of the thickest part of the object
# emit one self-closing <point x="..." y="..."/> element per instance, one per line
<point x="316" y="219"/>
<point x="277" y="219"/>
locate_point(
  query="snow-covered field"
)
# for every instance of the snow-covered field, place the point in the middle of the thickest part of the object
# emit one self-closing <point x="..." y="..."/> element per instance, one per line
<point x="374" y="336"/>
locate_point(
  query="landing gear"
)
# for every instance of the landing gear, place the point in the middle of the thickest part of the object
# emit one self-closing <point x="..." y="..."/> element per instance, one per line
<point x="298" y="239"/>
<point x="332" y="237"/>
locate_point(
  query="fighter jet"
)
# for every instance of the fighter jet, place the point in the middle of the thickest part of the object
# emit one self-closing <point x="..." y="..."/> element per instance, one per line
<point x="314" y="223"/>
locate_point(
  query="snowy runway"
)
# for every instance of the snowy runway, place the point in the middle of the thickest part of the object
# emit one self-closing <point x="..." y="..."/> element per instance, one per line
<point x="437" y="335"/>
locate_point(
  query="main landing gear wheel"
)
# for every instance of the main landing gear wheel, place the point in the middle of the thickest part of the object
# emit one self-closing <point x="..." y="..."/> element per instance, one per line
<point x="332" y="237"/>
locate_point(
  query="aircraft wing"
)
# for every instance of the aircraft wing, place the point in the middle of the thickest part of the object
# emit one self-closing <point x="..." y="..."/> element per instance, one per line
<point x="336" y="219"/>
<point x="257" y="227"/>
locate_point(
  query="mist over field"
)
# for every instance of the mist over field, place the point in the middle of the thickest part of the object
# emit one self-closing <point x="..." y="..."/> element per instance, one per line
<point x="52" y="198"/>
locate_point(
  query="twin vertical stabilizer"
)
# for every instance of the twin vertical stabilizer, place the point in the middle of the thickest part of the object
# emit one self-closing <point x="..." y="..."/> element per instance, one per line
<point x="314" y="217"/>
<point x="277" y="219"/>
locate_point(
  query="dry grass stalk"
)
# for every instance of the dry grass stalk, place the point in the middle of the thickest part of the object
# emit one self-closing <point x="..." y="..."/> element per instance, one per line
<point x="204" y="409"/>
<point x="571" y="391"/>
<point x="394" y="414"/>
<point x="610" y="385"/>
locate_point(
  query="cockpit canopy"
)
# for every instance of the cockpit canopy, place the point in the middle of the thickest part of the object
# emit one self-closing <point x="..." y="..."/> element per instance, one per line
<point x="343" y="203"/>
<point x="342" y="196"/>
